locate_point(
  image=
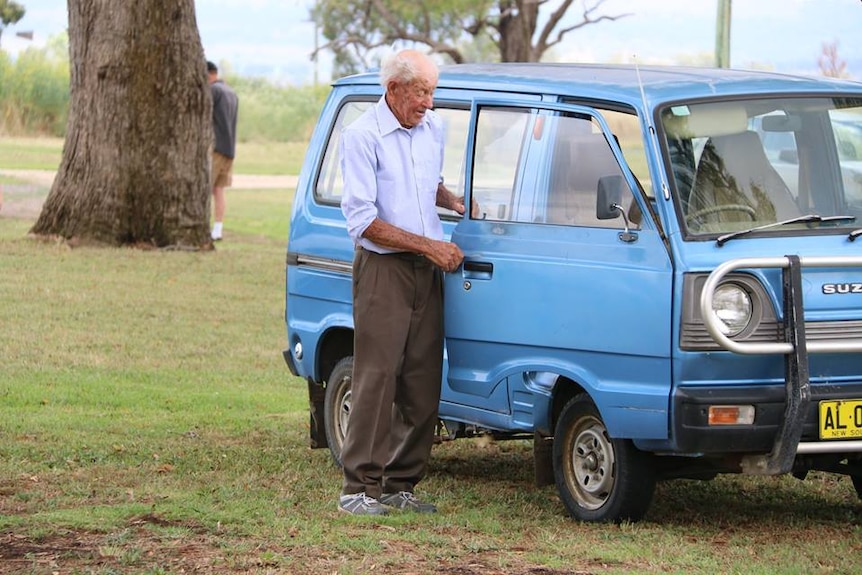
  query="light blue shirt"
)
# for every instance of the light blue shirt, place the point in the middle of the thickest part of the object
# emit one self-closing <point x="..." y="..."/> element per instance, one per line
<point x="391" y="172"/>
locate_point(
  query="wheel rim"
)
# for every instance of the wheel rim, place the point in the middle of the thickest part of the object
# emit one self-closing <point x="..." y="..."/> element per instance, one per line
<point x="342" y="407"/>
<point x="590" y="473"/>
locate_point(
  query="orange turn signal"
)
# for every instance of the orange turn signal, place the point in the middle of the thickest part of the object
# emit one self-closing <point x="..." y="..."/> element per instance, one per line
<point x="731" y="414"/>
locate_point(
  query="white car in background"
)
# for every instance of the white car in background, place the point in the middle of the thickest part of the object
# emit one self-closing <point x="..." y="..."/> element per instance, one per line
<point x="777" y="133"/>
<point x="848" y="134"/>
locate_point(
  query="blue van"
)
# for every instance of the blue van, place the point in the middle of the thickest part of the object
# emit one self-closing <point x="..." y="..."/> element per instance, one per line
<point x="662" y="279"/>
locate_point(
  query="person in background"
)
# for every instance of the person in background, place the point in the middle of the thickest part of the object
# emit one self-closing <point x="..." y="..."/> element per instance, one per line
<point x="225" y="108"/>
<point x="391" y="164"/>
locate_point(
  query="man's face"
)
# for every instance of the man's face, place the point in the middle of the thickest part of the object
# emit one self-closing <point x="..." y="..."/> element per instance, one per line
<point x="409" y="101"/>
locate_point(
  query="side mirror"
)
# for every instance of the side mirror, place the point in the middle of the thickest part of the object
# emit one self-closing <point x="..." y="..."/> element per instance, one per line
<point x="610" y="196"/>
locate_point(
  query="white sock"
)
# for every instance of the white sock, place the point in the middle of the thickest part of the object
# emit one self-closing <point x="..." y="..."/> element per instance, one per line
<point x="216" y="230"/>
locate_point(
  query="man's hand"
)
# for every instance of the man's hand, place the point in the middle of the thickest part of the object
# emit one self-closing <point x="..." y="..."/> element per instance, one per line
<point x="475" y="213"/>
<point x="458" y="206"/>
<point x="448" y="200"/>
<point x="446" y="255"/>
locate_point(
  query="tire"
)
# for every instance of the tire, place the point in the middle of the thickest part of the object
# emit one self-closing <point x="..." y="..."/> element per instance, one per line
<point x="336" y="406"/>
<point x="599" y="479"/>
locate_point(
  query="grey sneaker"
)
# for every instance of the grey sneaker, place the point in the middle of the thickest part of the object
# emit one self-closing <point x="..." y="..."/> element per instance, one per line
<point x="361" y="504"/>
<point x="406" y="501"/>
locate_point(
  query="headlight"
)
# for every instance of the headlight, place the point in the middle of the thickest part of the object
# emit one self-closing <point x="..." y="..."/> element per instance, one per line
<point x="731" y="304"/>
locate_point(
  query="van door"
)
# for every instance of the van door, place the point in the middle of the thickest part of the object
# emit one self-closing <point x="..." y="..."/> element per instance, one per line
<point x="548" y="287"/>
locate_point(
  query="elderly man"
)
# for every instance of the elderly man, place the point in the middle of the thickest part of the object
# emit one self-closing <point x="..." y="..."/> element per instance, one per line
<point x="392" y="161"/>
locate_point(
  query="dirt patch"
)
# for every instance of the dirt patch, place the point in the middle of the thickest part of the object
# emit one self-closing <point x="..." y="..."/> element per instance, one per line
<point x="150" y="543"/>
<point x="24" y="197"/>
<point x="253" y="182"/>
<point x="41" y="178"/>
<point x="21" y="201"/>
<point x="85" y="552"/>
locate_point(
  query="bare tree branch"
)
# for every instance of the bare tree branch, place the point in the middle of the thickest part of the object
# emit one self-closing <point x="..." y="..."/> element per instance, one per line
<point x="587" y="19"/>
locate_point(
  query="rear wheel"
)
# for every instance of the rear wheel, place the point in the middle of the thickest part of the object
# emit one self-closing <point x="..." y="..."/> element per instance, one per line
<point x="336" y="406"/>
<point x="599" y="478"/>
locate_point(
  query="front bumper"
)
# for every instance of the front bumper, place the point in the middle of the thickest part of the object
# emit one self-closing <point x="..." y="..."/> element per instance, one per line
<point x="786" y="418"/>
<point x="693" y="434"/>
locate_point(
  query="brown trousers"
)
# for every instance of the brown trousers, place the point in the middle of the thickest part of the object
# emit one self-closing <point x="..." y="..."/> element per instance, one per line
<point x="397" y="368"/>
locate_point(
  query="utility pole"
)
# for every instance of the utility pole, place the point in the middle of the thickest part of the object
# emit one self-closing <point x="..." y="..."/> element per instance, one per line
<point x="722" y="34"/>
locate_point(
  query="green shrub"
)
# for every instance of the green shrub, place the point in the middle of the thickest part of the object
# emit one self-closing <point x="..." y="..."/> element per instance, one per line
<point x="278" y="114"/>
<point x="34" y="99"/>
<point x="34" y="89"/>
<point x="40" y="92"/>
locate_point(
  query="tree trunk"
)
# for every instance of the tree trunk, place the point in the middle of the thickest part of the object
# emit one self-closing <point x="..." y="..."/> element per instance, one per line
<point x="135" y="167"/>
<point x="518" y="20"/>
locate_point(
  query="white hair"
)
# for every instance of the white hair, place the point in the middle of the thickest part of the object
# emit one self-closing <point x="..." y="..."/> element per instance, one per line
<point x="399" y="67"/>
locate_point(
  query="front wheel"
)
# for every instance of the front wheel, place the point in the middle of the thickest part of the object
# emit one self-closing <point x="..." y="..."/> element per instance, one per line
<point x="599" y="478"/>
<point x="336" y="406"/>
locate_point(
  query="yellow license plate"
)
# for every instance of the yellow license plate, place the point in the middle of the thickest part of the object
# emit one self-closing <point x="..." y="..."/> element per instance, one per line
<point x="841" y="419"/>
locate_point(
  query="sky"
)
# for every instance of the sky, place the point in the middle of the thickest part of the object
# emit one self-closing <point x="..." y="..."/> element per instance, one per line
<point x="275" y="38"/>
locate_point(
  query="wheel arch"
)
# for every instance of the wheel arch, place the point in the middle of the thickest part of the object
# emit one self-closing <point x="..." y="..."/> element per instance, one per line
<point x="333" y="346"/>
<point x="628" y="410"/>
<point x="564" y="390"/>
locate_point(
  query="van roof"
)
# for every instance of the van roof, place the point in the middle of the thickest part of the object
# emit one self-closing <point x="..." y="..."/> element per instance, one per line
<point x="623" y="82"/>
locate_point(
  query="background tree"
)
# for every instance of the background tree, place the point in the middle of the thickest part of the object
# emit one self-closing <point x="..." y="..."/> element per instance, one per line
<point x="829" y="62"/>
<point x="354" y="29"/>
<point x="135" y="160"/>
<point x="10" y="13"/>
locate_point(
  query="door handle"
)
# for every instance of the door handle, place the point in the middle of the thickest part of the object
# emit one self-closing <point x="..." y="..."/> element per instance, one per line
<point x="478" y="270"/>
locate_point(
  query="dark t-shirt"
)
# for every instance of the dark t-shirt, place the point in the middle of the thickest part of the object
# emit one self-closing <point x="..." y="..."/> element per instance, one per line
<point x="225" y="106"/>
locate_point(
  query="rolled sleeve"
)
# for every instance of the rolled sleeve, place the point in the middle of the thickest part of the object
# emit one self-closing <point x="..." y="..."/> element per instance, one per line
<point x="358" y="202"/>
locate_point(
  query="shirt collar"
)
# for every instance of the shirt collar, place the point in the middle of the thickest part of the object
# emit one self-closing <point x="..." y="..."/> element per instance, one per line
<point x="386" y="120"/>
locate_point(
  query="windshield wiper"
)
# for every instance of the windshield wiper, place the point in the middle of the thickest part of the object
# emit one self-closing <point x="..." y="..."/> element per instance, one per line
<point x="806" y="219"/>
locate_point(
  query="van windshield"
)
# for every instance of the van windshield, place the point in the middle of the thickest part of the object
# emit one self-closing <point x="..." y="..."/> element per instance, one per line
<point x="738" y="165"/>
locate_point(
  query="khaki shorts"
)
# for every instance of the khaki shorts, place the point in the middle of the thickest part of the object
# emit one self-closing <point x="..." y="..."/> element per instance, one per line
<point x="222" y="171"/>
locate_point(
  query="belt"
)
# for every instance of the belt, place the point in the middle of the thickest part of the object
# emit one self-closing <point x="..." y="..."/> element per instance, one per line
<point x="407" y="256"/>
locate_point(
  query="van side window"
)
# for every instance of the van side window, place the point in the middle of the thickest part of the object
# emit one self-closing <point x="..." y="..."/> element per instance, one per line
<point x="582" y="156"/>
<point x="329" y="187"/>
<point x="535" y="166"/>
<point x="626" y="129"/>
<point x="457" y="125"/>
<point x="500" y="138"/>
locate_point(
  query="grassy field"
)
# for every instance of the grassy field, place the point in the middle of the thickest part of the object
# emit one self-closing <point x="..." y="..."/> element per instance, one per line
<point x="148" y="425"/>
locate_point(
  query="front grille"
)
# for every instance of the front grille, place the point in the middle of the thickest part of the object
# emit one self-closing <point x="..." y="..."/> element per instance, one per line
<point x="694" y="336"/>
<point x="838" y="330"/>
